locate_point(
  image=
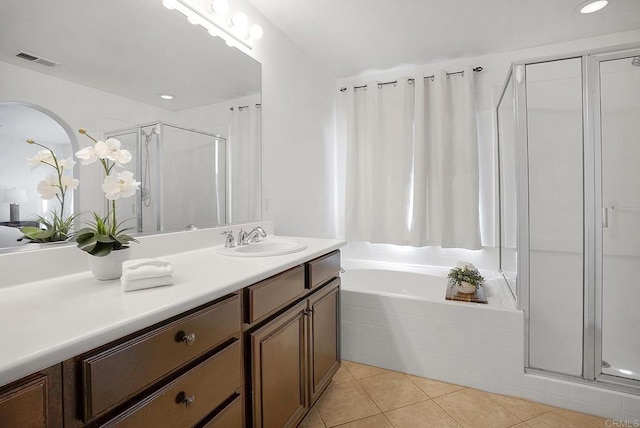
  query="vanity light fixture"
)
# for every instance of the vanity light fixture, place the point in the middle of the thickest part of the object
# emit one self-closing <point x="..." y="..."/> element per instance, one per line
<point x="210" y="15"/>
<point x="591" y="6"/>
<point x="166" y="96"/>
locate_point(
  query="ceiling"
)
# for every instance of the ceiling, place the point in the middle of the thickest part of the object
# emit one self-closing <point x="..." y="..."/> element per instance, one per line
<point x="136" y="49"/>
<point x="350" y="37"/>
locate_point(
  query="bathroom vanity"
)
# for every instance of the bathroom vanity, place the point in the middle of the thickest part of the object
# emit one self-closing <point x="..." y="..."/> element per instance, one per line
<point x="254" y="351"/>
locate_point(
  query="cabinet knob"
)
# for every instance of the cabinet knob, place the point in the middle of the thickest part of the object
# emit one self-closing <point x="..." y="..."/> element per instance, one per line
<point x="189" y="339"/>
<point x="189" y="400"/>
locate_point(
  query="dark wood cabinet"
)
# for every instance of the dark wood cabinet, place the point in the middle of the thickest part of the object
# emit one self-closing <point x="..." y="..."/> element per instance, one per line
<point x="324" y="338"/>
<point x="35" y="401"/>
<point x="292" y="355"/>
<point x="179" y="373"/>
<point x="279" y="381"/>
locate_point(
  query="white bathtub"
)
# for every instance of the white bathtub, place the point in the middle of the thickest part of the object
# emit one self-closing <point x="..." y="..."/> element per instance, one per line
<point x="415" y="282"/>
<point x="396" y="317"/>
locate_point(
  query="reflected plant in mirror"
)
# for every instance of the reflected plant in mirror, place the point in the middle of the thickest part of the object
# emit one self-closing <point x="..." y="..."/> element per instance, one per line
<point x="58" y="228"/>
<point x="105" y="234"/>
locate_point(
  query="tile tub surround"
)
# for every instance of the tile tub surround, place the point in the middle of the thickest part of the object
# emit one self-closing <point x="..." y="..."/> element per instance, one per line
<point x="61" y="317"/>
<point x="363" y="396"/>
<point x="466" y="344"/>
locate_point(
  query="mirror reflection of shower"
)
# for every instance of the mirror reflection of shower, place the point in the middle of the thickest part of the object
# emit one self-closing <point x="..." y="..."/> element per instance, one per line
<point x="146" y="166"/>
<point x="183" y="176"/>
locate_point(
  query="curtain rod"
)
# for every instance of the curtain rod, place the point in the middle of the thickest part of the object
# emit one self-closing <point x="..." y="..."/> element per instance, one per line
<point x="410" y="81"/>
<point x="241" y="107"/>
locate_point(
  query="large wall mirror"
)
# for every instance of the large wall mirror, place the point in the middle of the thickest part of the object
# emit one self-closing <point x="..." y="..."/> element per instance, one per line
<point x="197" y="155"/>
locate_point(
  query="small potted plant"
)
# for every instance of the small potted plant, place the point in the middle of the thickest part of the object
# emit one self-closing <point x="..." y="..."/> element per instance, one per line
<point x="58" y="227"/>
<point x="466" y="278"/>
<point x="104" y="239"/>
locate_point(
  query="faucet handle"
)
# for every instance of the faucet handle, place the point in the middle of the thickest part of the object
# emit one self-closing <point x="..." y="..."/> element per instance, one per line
<point x="229" y="241"/>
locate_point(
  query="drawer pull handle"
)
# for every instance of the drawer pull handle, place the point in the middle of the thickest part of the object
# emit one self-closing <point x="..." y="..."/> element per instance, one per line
<point x="189" y="339"/>
<point x="189" y="400"/>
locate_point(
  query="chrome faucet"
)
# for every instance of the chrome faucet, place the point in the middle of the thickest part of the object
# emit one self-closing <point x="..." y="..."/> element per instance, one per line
<point x="229" y="240"/>
<point x="256" y="235"/>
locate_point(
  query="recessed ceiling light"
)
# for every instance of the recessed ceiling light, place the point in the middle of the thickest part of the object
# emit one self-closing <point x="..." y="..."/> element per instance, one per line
<point x="166" y="96"/>
<point x="591" y="6"/>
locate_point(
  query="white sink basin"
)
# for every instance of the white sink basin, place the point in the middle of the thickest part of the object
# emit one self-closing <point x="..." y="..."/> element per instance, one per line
<point x="266" y="248"/>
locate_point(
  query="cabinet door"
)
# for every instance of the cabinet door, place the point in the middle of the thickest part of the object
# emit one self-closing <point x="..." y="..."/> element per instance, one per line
<point x="34" y="401"/>
<point x="278" y="355"/>
<point x="324" y="338"/>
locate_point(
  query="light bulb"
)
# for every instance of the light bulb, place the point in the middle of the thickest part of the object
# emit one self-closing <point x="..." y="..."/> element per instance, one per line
<point x="213" y="32"/>
<point x="230" y="42"/>
<point x="255" y="32"/>
<point x="169" y="4"/>
<point x="592" y="6"/>
<point x="239" y="20"/>
<point x="166" y="96"/>
<point x="220" y="6"/>
<point x="193" y="19"/>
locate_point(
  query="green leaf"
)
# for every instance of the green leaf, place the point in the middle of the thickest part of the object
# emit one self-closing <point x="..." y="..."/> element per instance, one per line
<point x="101" y="249"/>
<point x="88" y="245"/>
<point x="105" y="238"/>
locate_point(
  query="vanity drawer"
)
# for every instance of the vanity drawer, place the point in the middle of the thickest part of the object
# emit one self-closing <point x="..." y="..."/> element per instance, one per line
<point x="268" y="296"/>
<point x="229" y="417"/>
<point x="189" y="398"/>
<point x="115" y="374"/>
<point x="25" y="405"/>
<point x="323" y="269"/>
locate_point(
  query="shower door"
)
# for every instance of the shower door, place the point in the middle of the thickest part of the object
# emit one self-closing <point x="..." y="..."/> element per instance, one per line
<point x="618" y="292"/>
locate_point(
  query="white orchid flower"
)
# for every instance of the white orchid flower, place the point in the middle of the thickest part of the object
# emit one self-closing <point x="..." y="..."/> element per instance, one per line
<point x="69" y="182"/>
<point x="120" y="185"/>
<point x="48" y="188"/>
<point x="121" y="157"/>
<point x="43" y="156"/>
<point x="87" y="155"/>
<point x="66" y="164"/>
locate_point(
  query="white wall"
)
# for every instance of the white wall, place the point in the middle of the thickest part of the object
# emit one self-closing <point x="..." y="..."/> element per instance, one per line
<point x="298" y="136"/>
<point x="488" y="86"/>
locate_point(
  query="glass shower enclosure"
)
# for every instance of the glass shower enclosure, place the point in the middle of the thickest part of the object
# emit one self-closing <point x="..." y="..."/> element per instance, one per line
<point x="569" y="150"/>
<point x="183" y="176"/>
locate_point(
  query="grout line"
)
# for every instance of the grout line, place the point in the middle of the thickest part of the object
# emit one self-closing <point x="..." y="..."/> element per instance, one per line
<point x="447" y="413"/>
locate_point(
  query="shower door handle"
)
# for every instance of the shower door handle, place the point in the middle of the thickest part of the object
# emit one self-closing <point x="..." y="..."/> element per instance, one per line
<point x="605" y="217"/>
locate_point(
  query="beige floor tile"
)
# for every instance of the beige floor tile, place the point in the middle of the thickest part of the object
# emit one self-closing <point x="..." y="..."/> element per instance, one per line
<point x="312" y="420"/>
<point x="562" y="418"/>
<point x="434" y="388"/>
<point x="360" y="371"/>
<point x="392" y="390"/>
<point x="598" y="421"/>
<point x="425" y="414"/>
<point x="345" y="402"/>
<point x="523" y="409"/>
<point x="342" y="376"/>
<point x="377" y="421"/>
<point x="521" y="425"/>
<point x="472" y="408"/>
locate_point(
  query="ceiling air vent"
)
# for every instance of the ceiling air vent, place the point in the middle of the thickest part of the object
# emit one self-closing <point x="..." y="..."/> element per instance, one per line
<point x="37" y="59"/>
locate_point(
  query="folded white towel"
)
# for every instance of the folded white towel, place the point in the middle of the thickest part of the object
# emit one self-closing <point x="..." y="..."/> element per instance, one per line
<point x="145" y="268"/>
<point x="140" y="284"/>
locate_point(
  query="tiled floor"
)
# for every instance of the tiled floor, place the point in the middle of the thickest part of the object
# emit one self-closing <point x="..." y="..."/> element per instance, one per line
<point x="363" y="396"/>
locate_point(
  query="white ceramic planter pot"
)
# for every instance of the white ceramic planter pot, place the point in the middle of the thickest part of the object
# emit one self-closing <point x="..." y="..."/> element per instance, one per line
<point x="110" y="266"/>
<point x="466" y="288"/>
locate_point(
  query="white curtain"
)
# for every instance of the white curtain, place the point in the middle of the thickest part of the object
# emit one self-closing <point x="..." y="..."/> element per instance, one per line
<point x="412" y="163"/>
<point x="380" y="158"/>
<point x="245" y="165"/>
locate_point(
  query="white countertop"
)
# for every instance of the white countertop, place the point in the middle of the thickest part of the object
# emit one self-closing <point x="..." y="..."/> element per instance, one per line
<point x="46" y="322"/>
